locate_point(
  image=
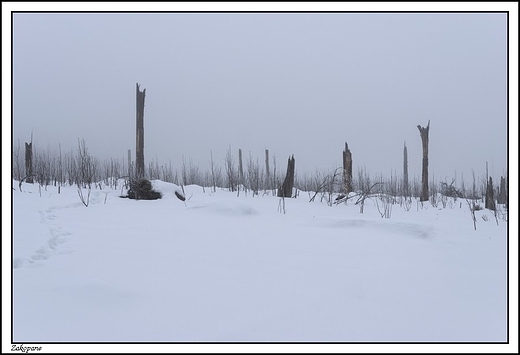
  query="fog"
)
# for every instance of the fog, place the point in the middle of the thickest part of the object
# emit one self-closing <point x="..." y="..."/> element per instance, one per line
<point x="297" y="84"/>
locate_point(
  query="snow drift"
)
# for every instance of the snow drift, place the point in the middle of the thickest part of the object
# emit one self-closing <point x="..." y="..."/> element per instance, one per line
<point x="217" y="267"/>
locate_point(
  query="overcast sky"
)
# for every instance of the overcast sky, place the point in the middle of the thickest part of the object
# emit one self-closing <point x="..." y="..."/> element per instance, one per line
<point x="297" y="83"/>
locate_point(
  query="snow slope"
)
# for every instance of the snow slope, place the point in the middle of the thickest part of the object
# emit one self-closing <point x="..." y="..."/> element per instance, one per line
<point x="218" y="267"/>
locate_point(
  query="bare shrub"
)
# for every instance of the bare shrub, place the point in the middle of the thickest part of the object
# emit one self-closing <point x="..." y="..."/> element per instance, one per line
<point x="473" y="207"/>
<point x="86" y="171"/>
<point x="407" y="203"/>
<point x="231" y="174"/>
<point x="253" y="175"/>
<point x="385" y="210"/>
<point x="434" y="198"/>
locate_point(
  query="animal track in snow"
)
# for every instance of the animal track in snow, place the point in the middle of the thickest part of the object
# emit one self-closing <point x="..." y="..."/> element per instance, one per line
<point x="52" y="244"/>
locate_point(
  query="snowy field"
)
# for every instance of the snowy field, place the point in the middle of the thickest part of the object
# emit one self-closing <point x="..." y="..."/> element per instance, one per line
<point x="222" y="268"/>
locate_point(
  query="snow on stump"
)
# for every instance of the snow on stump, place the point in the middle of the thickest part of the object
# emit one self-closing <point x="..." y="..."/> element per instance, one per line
<point x="141" y="189"/>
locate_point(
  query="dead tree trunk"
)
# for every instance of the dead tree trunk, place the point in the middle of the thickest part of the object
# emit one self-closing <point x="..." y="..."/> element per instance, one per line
<point x="502" y="191"/>
<point x="240" y="171"/>
<point x="424" y="137"/>
<point x="347" y="169"/>
<point x="405" y="171"/>
<point x="139" y="146"/>
<point x="230" y="171"/>
<point x="490" y="201"/>
<point x="129" y="164"/>
<point x="267" y="177"/>
<point x="28" y="163"/>
<point x="286" y="189"/>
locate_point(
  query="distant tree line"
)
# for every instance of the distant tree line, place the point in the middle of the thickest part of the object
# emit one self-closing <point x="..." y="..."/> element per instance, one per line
<point x="248" y="176"/>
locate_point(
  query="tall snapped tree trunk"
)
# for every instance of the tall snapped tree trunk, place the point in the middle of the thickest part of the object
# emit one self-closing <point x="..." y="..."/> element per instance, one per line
<point x="424" y="137"/>
<point x="129" y="164"/>
<point x="405" y="171"/>
<point x="267" y="175"/>
<point x="139" y="145"/>
<point x="28" y="163"/>
<point x="502" y="191"/>
<point x="286" y="189"/>
<point x="240" y="171"/>
<point x="490" y="200"/>
<point x="347" y="169"/>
